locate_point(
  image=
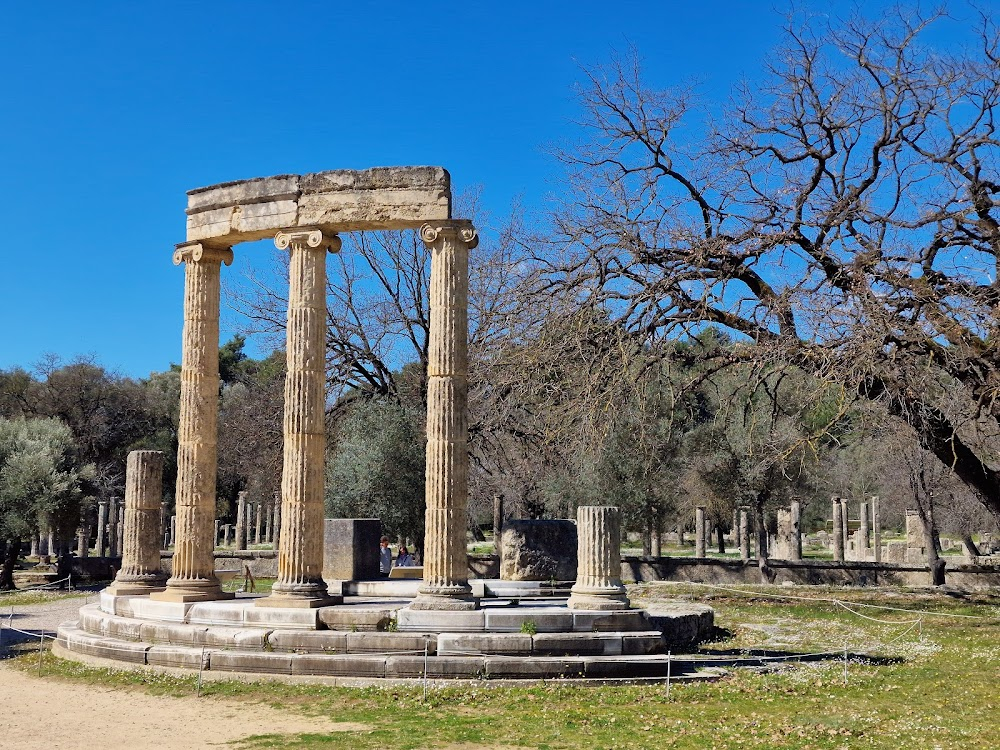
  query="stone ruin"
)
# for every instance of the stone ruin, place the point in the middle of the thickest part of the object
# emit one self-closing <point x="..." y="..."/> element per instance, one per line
<point x="303" y="628"/>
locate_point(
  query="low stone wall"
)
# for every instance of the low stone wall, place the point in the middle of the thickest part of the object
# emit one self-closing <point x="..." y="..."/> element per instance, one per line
<point x="723" y="571"/>
<point x="263" y="562"/>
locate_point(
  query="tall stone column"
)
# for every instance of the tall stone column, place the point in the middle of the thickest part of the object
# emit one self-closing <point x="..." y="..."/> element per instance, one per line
<point x="599" y="563"/>
<point x="102" y="528"/>
<point x="838" y="529"/>
<point x="446" y="568"/>
<point x="300" y="555"/>
<point x="215" y="538"/>
<point x="497" y="520"/>
<point x="173" y="530"/>
<point x="119" y="536"/>
<point x="258" y="522"/>
<point x="864" y="533"/>
<point x="844" y="519"/>
<point x="699" y="531"/>
<point x="193" y="577"/>
<point x="796" y="550"/>
<point x="82" y="541"/>
<point x="241" y="520"/>
<point x="140" y="572"/>
<point x="268" y="522"/>
<point x="113" y="527"/>
<point x="876" y="529"/>
<point x="276" y="524"/>
<point x="744" y="534"/>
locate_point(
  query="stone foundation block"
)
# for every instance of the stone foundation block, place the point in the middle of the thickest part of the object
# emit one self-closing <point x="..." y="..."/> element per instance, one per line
<point x="358" y="643"/>
<point x="485" y="643"/>
<point x="637" y="666"/>
<point x="643" y="643"/>
<point x="106" y="648"/>
<point x="282" y="617"/>
<point x="615" y="621"/>
<point x="92" y="621"/>
<point x="505" y="667"/>
<point x="513" y="619"/>
<point x="307" y="640"/>
<point x="440" y="621"/>
<point x="339" y="665"/>
<point x="462" y="667"/>
<point x="123" y="628"/>
<point x="237" y="661"/>
<point x="177" y="656"/>
<point x="600" y="644"/>
<point x="352" y="619"/>
<point x="215" y="613"/>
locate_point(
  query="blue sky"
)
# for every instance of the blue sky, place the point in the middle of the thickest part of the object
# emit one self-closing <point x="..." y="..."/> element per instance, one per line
<point x="110" y="111"/>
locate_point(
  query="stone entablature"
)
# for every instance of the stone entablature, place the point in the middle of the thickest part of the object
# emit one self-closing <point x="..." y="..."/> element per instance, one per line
<point x="341" y="200"/>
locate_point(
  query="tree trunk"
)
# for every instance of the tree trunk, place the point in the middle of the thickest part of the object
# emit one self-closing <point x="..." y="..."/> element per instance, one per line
<point x="971" y="550"/>
<point x="9" y="564"/>
<point x="722" y="539"/>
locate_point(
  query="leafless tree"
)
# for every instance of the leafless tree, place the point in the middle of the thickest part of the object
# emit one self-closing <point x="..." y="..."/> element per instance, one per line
<point x="841" y="216"/>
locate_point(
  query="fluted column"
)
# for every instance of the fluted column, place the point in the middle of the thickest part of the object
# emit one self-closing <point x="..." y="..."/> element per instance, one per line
<point x="744" y="533"/>
<point x="446" y="567"/>
<point x="599" y="564"/>
<point x="864" y="532"/>
<point x="241" y="520"/>
<point x="838" y="529"/>
<point x="276" y="524"/>
<point x="140" y="534"/>
<point x="113" y="527"/>
<point x="300" y="555"/>
<point x="102" y="528"/>
<point x="876" y="529"/>
<point x="699" y="531"/>
<point x="193" y="576"/>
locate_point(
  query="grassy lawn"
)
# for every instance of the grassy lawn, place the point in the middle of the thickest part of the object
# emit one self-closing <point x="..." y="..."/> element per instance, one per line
<point x="938" y="688"/>
<point x="42" y="596"/>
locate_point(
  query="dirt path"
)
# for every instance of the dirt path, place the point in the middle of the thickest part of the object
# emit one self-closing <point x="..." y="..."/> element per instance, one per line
<point x="49" y="714"/>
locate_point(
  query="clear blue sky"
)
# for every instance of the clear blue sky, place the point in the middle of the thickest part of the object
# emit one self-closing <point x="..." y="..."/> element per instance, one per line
<point x="110" y="111"/>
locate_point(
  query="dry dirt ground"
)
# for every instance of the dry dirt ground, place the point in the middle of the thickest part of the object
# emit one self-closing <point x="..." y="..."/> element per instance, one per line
<point x="48" y="714"/>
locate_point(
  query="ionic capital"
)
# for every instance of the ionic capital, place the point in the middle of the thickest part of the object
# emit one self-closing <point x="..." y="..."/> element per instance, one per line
<point x="461" y="231"/>
<point x="306" y="238"/>
<point x="188" y="252"/>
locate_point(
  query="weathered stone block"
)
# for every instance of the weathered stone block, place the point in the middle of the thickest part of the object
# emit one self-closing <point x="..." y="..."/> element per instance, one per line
<point x="636" y="666"/>
<point x="642" y="643"/>
<point x="307" y="640"/>
<point x="354" y="618"/>
<point x="440" y="621"/>
<point x="339" y="665"/>
<point x="533" y="550"/>
<point x="601" y="644"/>
<point x="282" y="618"/>
<point x="351" y="548"/>
<point x="358" y="643"/>
<point x="539" y="668"/>
<point x="243" y="661"/>
<point x="609" y="621"/>
<point x="484" y="643"/>
<point x="544" y="620"/>
<point x="177" y="656"/>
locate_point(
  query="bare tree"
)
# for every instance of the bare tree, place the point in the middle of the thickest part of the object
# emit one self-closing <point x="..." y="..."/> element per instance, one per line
<point x="840" y="216"/>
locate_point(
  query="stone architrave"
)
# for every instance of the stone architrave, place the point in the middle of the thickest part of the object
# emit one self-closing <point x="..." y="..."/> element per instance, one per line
<point x="598" y="578"/>
<point x="699" y="531"/>
<point x="744" y="534"/>
<point x="241" y="520"/>
<point x="838" y="529"/>
<point x="796" y="537"/>
<point x="102" y="528"/>
<point x="193" y="566"/>
<point x="351" y="548"/>
<point x="258" y="527"/>
<point x="446" y="569"/>
<point x="140" y="571"/>
<point x="876" y="529"/>
<point x="300" y="555"/>
<point x="864" y="532"/>
<point x="113" y="527"/>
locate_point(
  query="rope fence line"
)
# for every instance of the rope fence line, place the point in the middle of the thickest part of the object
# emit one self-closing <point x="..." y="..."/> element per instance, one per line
<point x="840" y="602"/>
<point x="68" y="580"/>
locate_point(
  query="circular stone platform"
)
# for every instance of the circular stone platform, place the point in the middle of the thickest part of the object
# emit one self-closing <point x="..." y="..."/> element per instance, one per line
<point x="379" y="637"/>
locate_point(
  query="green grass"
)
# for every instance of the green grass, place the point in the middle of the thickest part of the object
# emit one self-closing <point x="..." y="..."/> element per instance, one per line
<point x="942" y="693"/>
<point x="24" y="598"/>
<point x="262" y="585"/>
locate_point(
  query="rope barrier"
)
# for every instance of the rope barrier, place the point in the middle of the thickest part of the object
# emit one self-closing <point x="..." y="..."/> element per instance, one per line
<point x="839" y="602"/>
<point x="68" y="579"/>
